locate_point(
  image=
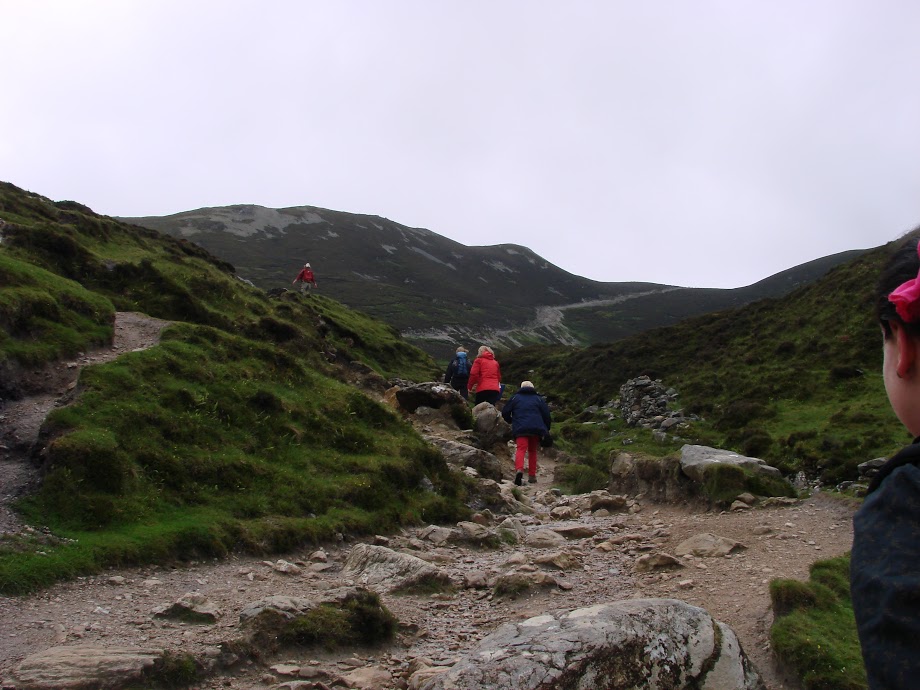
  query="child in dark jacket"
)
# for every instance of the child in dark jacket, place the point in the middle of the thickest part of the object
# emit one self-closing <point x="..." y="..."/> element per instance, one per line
<point x="885" y="560"/>
<point x="458" y="372"/>
<point x="530" y="421"/>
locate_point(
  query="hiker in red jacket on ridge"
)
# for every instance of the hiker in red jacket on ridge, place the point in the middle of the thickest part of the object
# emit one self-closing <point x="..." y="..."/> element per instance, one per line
<point x="306" y="278"/>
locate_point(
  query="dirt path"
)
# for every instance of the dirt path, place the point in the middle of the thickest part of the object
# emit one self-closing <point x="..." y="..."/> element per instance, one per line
<point x="115" y="608"/>
<point x="20" y="420"/>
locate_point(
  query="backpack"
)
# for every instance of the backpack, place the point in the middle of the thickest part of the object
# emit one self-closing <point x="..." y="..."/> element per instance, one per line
<point x="463" y="366"/>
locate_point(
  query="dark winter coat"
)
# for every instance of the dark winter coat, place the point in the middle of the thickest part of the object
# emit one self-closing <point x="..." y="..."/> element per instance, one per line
<point x="528" y="413"/>
<point x="452" y="376"/>
<point x="885" y="573"/>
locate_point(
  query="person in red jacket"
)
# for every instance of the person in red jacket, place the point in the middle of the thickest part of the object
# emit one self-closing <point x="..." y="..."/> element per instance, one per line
<point x="306" y="278"/>
<point x="485" y="377"/>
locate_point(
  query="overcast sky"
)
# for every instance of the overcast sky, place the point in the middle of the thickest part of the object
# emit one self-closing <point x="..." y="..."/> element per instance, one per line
<point x="697" y="143"/>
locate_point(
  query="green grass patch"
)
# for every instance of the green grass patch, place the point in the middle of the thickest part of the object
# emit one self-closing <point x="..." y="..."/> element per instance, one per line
<point x="814" y="631"/>
<point x="44" y="317"/>
<point x="577" y="478"/>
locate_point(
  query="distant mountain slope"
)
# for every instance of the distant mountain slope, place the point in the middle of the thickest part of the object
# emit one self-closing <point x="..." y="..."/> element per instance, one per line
<point x="438" y="291"/>
<point x="794" y="380"/>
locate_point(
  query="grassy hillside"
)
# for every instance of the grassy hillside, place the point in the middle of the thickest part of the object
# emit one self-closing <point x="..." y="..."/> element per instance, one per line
<point x="795" y="380"/>
<point x="237" y="431"/>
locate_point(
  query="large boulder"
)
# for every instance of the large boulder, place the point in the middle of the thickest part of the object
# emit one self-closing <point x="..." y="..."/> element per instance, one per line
<point x="641" y="643"/>
<point x="489" y="426"/>
<point x="383" y="568"/>
<point x="430" y="394"/>
<point x="290" y="607"/>
<point x="464" y="455"/>
<point x="487" y="494"/>
<point x="474" y="534"/>
<point x="545" y="539"/>
<point x="695" y="461"/>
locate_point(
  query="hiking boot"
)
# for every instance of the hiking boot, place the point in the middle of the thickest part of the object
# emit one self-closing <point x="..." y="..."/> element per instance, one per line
<point x="532" y="479"/>
<point x="519" y="478"/>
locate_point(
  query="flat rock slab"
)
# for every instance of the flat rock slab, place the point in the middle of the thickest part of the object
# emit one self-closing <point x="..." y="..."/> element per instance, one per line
<point x="708" y="545"/>
<point x="82" y="667"/>
<point x="642" y="643"/>
<point x="378" y="566"/>
<point x="574" y="530"/>
<point x="545" y="539"/>
<point x="464" y="455"/>
<point x="695" y="460"/>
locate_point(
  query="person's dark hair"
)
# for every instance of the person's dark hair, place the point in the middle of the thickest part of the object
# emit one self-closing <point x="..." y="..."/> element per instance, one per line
<point x="902" y="266"/>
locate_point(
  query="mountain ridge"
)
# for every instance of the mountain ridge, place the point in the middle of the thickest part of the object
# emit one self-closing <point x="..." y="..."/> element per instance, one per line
<point x="437" y="291"/>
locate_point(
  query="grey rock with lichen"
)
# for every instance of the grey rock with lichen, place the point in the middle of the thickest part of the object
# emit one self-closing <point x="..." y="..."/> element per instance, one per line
<point x="641" y="643"/>
<point x="464" y="455"/>
<point x="695" y="461"/>
<point x="85" y="666"/>
<point x="378" y="566"/>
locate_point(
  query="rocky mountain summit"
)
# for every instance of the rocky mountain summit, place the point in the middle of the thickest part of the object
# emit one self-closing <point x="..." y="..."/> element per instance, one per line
<point x="536" y="590"/>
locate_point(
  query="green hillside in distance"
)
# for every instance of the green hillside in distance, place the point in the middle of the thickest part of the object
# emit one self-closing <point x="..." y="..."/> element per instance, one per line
<point x="241" y="429"/>
<point x="795" y="380"/>
<point x="438" y="292"/>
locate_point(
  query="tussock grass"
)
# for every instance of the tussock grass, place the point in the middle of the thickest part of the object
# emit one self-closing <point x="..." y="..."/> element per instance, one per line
<point x="815" y="632"/>
<point x="44" y="317"/>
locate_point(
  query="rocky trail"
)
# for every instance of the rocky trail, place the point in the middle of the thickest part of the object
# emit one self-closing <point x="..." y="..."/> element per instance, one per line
<point x="566" y="556"/>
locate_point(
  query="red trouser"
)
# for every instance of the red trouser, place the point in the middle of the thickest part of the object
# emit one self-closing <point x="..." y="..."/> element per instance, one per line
<point x="529" y="445"/>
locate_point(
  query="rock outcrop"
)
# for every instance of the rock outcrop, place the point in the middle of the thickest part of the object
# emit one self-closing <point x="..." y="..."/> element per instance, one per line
<point x="672" y="480"/>
<point x="659" y="479"/>
<point x="380" y="567"/>
<point x="646" y="403"/>
<point x="695" y="461"/>
<point x="464" y="455"/>
<point x="85" y="666"/>
<point x="489" y="426"/>
<point x="661" y="643"/>
<point x="429" y="394"/>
